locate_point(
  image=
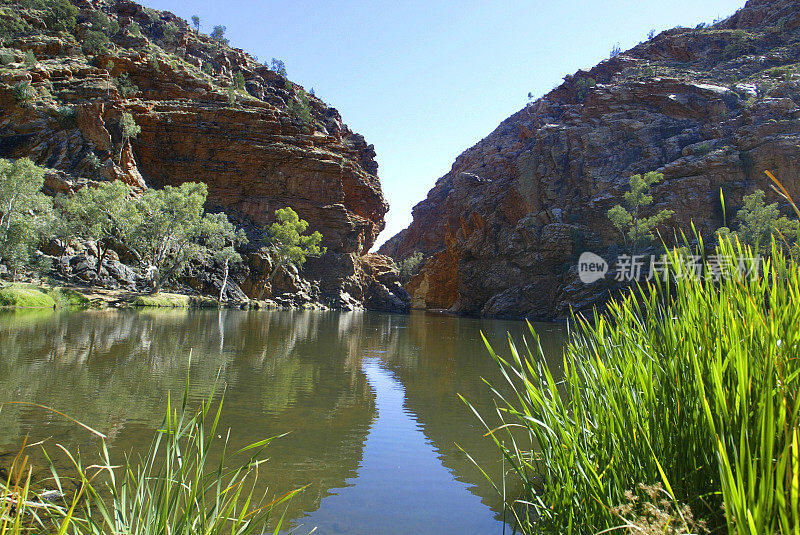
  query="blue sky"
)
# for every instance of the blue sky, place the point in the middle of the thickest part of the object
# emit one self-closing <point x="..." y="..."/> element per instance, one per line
<point x="425" y="80"/>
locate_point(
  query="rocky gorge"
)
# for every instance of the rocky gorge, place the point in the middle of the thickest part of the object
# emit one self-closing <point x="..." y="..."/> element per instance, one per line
<point x="208" y="113"/>
<point x="710" y="107"/>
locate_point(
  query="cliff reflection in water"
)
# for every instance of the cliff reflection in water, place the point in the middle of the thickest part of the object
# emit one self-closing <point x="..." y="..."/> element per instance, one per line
<point x="302" y="373"/>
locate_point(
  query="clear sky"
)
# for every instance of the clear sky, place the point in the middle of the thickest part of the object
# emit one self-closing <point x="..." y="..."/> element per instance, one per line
<point x="425" y="80"/>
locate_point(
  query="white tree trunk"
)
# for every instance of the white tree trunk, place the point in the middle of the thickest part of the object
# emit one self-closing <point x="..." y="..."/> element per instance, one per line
<point x="224" y="281"/>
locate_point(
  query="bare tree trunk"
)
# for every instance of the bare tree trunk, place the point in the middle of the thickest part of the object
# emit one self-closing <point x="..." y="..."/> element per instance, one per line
<point x="224" y="281"/>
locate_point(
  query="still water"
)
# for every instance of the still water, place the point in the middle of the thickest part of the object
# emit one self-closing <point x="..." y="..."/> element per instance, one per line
<point x="369" y="402"/>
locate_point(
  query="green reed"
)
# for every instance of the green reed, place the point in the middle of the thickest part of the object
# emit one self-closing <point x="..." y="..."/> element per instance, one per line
<point x="691" y="386"/>
<point x="175" y="488"/>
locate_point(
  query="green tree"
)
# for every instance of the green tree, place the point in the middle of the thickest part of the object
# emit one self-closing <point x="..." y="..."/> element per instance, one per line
<point x="221" y="238"/>
<point x="95" y="42"/>
<point x="218" y="35"/>
<point x="759" y="223"/>
<point x="25" y="212"/>
<point x="106" y="214"/>
<point x="125" y="85"/>
<point x="287" y="244"/>
<point x="134" y="28"/>
<point x="60" y="16"/>
<point x="196" y="23"/>
<point x="637" y="230"/>
<point x="129" y="130"/>
<point x="279" y="67"/>
<point x="410" y="266"/>
<point x="172" y="224"/>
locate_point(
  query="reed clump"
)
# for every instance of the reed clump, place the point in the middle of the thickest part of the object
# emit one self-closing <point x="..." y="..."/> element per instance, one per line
<point x="691" y="384"/>
<point x="188" y="482"/>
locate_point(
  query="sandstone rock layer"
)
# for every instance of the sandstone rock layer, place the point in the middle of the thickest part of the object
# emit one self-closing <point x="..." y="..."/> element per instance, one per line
<point x="711" y="108"/>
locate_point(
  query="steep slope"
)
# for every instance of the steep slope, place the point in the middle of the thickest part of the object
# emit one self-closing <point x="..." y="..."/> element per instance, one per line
<point x="711" y="108"/>
<point x="259" y="144"/>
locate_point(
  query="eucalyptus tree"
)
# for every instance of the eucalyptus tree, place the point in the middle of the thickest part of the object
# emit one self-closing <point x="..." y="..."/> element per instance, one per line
<point x="26" y="213"/>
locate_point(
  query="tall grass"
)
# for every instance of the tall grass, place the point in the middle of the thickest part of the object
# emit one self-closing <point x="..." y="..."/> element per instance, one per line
<point x="690" y="386"/>
<point x="175" y="488"/>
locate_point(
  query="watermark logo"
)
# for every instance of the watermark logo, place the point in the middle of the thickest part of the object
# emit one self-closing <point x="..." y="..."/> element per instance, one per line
<point x="591" y="267"/>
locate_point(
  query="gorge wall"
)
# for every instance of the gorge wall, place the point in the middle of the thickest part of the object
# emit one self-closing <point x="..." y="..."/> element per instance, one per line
<point x="711" y="108"/>
<point x="249" y="144"/>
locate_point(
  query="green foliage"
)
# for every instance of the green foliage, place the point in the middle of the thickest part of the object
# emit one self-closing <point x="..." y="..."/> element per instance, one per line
<point x="60" y="15"/>
<point x="208" y="68"/>
<point x="196" y="23"/>
<point x="29" y="60"/>
<point x="125" y="86"/>
<point x="6" y="57"/>
<point x="218" y="34"/>
<point x="689" y="385"/>
<point x="238" y="81"/>
<point x="287" y="243"/>
<point x="66" y="116"/>
<point x="12" y="25"/>
<point x="106" y="214"/>
<point x="410" y="266"/>
<point x="583" y="86"/>
<point x="760" y="224"/>
<point x="95" y="42"/>
<point x="25" y="212"/>
<point x="615" y="51"/>
<point x="93" y="161"/>
<point x="191" y="480"/>
<point x="168" y="300"/>
<point x="102" y="23"/>
<point x="24" y="93"/>
<point x="637" y="230"/>
<point x="168" y="238"/>
<point x="232" y="95"/>
<point x="171" y="33"/>
<point x="279" y="67"/>
<point x="221" y="238"/>
<point x="135" y="29"/>
<point x="25" y="296"/>
<point x="129" y="127"/>
<point x="300" y="109"/>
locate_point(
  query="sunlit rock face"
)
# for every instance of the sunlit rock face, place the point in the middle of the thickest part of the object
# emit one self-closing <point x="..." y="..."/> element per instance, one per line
<point x="251" y="150"/>
<point x="710" y="108"/>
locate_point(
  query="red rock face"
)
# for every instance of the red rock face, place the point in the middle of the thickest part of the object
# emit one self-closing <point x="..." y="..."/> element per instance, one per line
<point x="248" y="146"/>
<point x="710" y="108"/>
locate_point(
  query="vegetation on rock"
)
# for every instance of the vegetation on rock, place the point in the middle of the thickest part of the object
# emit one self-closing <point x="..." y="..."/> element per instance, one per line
<point x="691" y="386"/>
<point x="636" y="229"/>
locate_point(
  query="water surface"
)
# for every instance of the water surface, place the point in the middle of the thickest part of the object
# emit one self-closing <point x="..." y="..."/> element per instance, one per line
<point x="369" y="401"/>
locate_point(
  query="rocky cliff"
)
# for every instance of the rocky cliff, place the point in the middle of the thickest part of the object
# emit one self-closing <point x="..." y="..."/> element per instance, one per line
<point x="207" y="112"/>
<point x="711" y="108"/>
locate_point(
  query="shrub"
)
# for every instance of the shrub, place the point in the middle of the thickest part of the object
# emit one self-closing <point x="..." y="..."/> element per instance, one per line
<point x="60" y="15"/>
<point x="409" y="267"/>
<point x="637" y="230"/>
<point x="208" y="68"/>
<point x="693" y="385"/>
<point x="95" y="42"/>
<point x="7" y="57"/>
<point x="238" y="81"/>
<point x="300" y="109"/>
<point x="24" y="92"/>
<point x="66" y="116"/>
<point x="30" y="59"/>
<point x="134" y="28"/>
<point x="125" y="86"/>
<point x="583" y="86"/>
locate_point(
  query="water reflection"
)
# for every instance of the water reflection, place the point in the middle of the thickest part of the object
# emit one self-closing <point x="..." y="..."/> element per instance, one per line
<point x="367" y="399"/>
